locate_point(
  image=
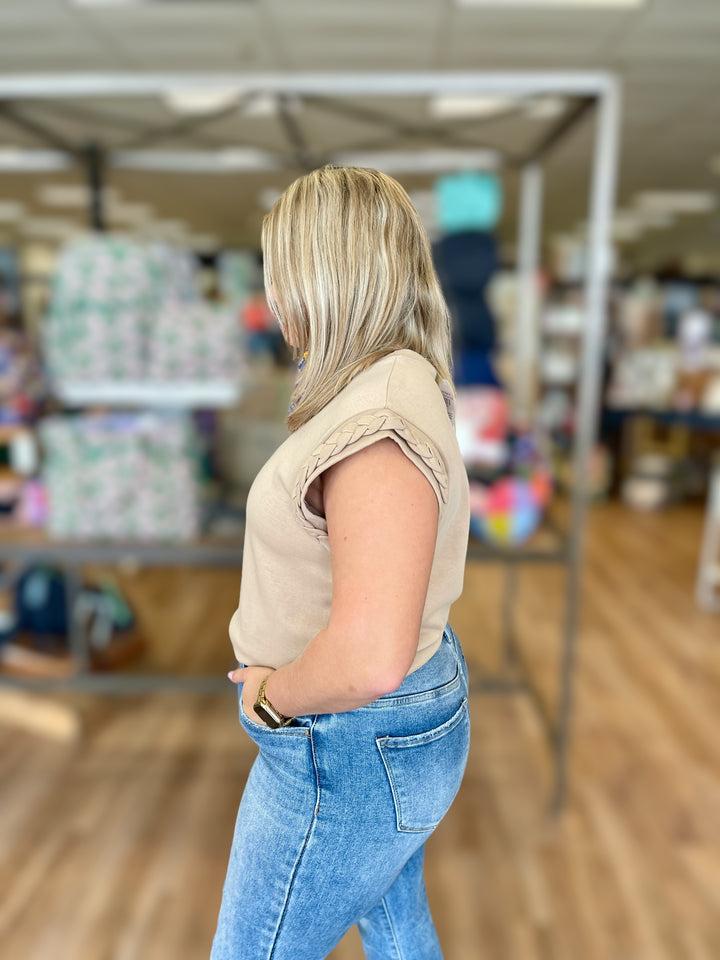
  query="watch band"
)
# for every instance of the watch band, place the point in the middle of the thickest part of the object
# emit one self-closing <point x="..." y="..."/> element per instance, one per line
<point x="267" y="712"/>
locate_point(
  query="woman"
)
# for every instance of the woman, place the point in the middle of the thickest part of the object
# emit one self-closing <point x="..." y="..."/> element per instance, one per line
<point x="352" y="682"/>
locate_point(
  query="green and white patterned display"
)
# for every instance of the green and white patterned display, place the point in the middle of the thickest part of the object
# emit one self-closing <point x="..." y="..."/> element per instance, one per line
<point x="194" y="341"/>
<point x="105" y="295"/>
<point x="122" y="476"/>
<point x="122" y="310"/>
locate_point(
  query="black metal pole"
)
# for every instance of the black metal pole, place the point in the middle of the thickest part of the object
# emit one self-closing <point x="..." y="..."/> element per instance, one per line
<point x="95" y="162"/>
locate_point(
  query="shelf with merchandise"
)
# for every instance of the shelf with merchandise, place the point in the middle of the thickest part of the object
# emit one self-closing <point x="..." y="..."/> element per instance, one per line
<point x="181" y="394"/>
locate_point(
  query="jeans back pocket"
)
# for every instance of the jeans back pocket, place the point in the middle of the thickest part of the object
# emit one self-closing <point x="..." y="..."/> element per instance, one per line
<point x="425" y="771"/>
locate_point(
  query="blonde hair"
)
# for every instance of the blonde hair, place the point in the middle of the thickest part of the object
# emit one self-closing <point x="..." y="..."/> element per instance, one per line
<point x="349" y="275"/>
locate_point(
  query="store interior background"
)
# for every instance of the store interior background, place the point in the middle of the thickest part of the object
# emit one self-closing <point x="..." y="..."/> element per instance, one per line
<point x="118" y="802"/>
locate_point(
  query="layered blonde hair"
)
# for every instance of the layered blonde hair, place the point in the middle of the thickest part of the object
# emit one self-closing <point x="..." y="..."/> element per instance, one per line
<point x="349" y="275"/>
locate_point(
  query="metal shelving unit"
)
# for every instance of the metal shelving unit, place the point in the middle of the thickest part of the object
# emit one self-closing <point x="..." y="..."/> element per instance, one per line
<point x="586" y="92"/>
<point x="26" y="547"/>
<point x="72" y="556"/>
<point x="173" y="394"/>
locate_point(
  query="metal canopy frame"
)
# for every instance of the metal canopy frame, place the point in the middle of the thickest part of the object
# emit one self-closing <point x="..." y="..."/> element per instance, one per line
<point x="588" y="90"/>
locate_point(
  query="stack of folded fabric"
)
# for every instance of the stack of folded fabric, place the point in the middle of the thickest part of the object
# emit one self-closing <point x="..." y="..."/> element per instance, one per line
<point x="177" y="271"/>
<point x="105" y="295"/>
<point x="122" y="310"/>
<point x="122" y="476"/>
<point x="194" y="341"/>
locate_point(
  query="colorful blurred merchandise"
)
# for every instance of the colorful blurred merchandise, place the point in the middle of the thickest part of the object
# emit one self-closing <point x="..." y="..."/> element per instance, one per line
<point x="482" y="420"/>
<point x="240" y="272"/>
<point x="694" y="337"/>
<point x="691" y="388"/>
<point x="261" y="329"/>
<point x="710" y="403"/>
<point x="122" y="476"/>
<point x="32" y="509"/>
<point x="468" y="200"/>
<point x="639" y="314"/>
<point x="469" y="205"/>
<point x="507" y="504"/>
<point x="256" y="315"/>
<point x="10" y="494"/>
<point x="22" y="382"/>
<point x="194" y="341"/>
<point x="36" y="631"/>
<point x="645" y="377"/>
<point x="510" y="473"/>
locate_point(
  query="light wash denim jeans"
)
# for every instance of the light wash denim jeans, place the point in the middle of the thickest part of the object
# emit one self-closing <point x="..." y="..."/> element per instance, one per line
<point x="333" y="821"/>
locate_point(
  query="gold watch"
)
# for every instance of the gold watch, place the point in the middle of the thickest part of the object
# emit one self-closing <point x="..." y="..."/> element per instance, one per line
<point x="267" y="712"/>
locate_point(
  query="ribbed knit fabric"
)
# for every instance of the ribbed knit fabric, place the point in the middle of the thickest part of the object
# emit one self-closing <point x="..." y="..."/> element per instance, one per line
<point x="286" y="585"/>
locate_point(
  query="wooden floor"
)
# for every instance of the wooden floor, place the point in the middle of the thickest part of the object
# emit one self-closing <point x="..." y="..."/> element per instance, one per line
<point x="115" y="848"/>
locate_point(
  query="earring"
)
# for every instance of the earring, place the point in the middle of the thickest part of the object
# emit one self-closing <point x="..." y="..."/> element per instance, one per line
<point x="295" y="400"/>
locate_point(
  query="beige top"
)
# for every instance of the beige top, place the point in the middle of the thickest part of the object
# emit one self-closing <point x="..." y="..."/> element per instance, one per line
<point x="286" y="587"/>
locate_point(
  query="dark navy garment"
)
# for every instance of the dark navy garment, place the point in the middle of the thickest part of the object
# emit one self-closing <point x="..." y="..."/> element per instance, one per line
<point x="465" y="263"/>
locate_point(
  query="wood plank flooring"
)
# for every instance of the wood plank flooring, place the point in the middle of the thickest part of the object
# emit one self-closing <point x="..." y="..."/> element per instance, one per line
<point x="115" y="848"/>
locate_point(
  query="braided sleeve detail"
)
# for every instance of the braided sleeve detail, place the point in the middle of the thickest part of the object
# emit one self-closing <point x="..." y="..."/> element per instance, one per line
<point x="355" y="434"/>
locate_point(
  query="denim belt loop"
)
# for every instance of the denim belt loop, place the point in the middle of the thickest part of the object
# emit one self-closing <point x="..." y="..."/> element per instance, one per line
<point x="453" y="638"/>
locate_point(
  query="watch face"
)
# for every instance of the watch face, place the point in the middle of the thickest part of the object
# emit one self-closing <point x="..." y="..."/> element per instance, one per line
<point x="267" y="716"/>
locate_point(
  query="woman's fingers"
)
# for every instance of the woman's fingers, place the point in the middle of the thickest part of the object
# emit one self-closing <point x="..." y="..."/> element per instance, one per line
<point x="244" y="674"/>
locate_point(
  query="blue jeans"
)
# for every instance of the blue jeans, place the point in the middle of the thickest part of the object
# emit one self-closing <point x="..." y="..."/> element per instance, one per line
<point x="333" y="821"/>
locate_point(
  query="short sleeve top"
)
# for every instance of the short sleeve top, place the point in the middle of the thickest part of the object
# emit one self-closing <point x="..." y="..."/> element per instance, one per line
<point x="286" y="583"/>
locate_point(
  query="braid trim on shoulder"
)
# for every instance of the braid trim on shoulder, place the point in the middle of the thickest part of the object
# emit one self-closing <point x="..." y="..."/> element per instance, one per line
<point x="359" y="431"/>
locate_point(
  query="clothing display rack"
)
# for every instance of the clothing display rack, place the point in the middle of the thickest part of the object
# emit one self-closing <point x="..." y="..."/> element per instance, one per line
<point x="585" y="93"/>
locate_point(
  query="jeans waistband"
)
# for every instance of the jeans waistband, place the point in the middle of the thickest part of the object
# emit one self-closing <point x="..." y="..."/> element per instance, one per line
<point x="440" y="675"/>
<point x="452" y="637"/>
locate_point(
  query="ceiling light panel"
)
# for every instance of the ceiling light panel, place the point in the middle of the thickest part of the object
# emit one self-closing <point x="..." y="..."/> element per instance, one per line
<point x="677" y="201"/>
<point x="657" y="219"/>
<point x="15" y="160"/>
<point x="130" y="214"/>
<point x="450" y="108"/>
<point x="73" y="196"/>
<point x="266" y="105"/>
<point x="625" y="232"/>
<point x="171" y="231"/>
<point x="628" y="219"/>
<point x="545" y="108"/>
<point x="199" y="102"/>
<point x="229" y="160"/>
<point x="49" y="228"/>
